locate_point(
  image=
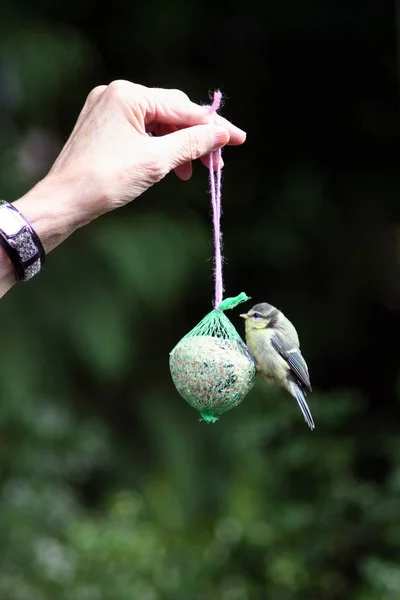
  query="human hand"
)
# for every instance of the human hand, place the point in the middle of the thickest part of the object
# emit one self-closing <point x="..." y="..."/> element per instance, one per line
<point x="110" y="157"/>
<point x="113" y="155"/>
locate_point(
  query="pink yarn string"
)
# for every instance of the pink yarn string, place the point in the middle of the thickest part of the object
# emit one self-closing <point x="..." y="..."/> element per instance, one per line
<point x="215" y="191"/>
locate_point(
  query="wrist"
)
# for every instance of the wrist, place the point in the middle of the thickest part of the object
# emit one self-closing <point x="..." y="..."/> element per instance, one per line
<point x="54" y="209"/>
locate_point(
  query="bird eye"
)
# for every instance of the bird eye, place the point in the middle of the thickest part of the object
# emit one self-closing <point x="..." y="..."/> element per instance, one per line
<point x="257" y="315"/>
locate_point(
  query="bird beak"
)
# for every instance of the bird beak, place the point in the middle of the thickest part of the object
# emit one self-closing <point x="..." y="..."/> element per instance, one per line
<point x="244" y="316"/>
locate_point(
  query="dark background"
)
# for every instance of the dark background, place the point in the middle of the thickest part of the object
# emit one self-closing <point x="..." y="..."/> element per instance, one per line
<point x="110" y="488"/>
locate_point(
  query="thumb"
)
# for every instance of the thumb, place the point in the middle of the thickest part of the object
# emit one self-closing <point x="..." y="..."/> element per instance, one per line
<point x="191" y="143"/>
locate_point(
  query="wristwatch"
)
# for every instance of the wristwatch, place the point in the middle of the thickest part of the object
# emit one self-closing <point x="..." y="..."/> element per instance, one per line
<point x="20" y="242"/>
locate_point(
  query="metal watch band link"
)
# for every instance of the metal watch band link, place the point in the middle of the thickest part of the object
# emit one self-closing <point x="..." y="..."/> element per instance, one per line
<point x="21" y="242"/>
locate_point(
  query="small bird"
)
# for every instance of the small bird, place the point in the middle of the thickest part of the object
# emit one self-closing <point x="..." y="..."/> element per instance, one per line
<point x="274" y="343"/>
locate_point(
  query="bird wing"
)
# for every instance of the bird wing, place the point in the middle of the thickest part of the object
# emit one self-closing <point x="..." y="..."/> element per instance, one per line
<point x="295" y="360"/>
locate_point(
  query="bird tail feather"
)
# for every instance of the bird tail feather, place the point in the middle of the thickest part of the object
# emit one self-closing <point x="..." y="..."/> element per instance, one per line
<point x="301" y="400"/>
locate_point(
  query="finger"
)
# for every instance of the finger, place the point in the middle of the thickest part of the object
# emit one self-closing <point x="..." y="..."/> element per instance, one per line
<point x="160" y="129"/>
<point x="206" y="161"/>
<point x="163" y="129"/>
<point x="184" y="171"/>
<point x="169" y="107"/>
<point x="190" y="143"/>
<point x="174" y="107"/>
<point x="237" y="136"/>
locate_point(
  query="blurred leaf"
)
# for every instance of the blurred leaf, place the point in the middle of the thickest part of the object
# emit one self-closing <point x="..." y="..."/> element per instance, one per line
<point x="153" y="255"/>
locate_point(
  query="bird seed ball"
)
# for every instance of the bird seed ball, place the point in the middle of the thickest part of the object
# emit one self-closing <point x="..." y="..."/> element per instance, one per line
<point x="212" y="373"/>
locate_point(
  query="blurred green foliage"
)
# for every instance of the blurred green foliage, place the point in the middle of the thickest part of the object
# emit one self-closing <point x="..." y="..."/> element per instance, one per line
<point x="110" y="489"/>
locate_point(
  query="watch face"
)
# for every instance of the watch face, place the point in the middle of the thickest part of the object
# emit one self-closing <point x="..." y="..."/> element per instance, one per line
<point x="11" y="222"/>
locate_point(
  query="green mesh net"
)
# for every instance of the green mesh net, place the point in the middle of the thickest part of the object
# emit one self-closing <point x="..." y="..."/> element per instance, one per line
<point x="211" y="366"/>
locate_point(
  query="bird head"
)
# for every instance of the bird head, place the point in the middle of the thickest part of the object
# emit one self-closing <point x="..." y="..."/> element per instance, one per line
<point x="261" y="316"/>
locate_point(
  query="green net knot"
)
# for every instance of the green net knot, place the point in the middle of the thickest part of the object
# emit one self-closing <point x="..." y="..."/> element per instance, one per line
<point x="233" y="302"/>
<point x="208" y="417"/>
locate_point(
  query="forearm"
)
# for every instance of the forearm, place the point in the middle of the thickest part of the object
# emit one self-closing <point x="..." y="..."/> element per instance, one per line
<point x="54" y="211"/>
<point x="7" y="277"/>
